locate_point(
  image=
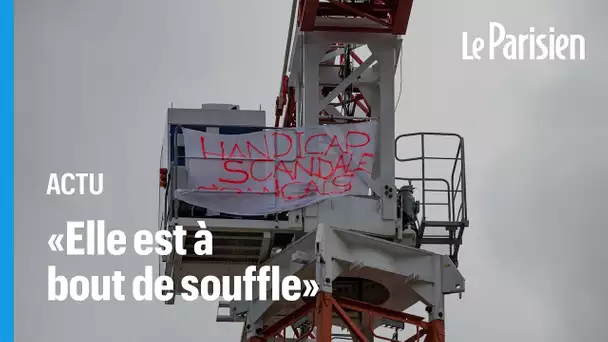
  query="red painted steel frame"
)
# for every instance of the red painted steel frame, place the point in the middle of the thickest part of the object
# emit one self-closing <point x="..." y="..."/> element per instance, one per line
<point x="393" y="15"/>
<point x="322" y="315"/>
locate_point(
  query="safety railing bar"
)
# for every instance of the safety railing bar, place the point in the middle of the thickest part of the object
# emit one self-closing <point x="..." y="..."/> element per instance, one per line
<point x="443" y="240"/>
<point x="406" y="135"/>
<point x="463" y="205"/>
<point x="459" y="152"/>
<point x="434" y="203"/>
<point x="444" y="134"/>
<point x="455" y="215"/>
<point x="451" y="210"/>
<point x="408" y="159"/>
<point x="423" y="183"/>
<point x="457" y="247"/>
<point x="405" y="160"/>
<point x="442" y="190"/>
<point x="422" y="134"/>
<point x="462" y="200"/>
<point x="454" y="194"/>
<point x="464" y="188"/>
<point x="459" y="211"/>
<point x="456" y="186"/>
<point x="441" y="158"/>
<point x="418" y="179"/>
<point x="457" y="159"/>
<point x="458" y="183"/>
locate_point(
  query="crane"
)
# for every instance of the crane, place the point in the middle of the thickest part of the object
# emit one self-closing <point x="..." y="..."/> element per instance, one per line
<point x="374" y="255"/>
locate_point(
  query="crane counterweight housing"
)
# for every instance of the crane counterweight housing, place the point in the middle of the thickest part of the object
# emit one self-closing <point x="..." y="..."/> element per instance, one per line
<point x="373" y="253"/>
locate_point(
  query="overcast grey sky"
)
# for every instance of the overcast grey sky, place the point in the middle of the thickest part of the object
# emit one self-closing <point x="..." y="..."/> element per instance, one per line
<point x="93" y="79"/>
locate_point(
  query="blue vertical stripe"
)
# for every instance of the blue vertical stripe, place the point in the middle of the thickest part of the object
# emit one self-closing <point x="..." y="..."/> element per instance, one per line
<point x="6" y="149"/>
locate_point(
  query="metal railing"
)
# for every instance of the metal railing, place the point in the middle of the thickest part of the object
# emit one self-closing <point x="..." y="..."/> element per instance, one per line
<point x="453" y="185"/>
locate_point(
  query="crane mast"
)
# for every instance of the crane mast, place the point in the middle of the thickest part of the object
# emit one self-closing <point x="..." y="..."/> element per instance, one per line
<point x="373" y="256"/>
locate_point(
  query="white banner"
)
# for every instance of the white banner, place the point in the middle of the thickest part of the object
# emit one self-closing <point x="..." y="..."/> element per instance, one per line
<point x="277" y="170"/>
